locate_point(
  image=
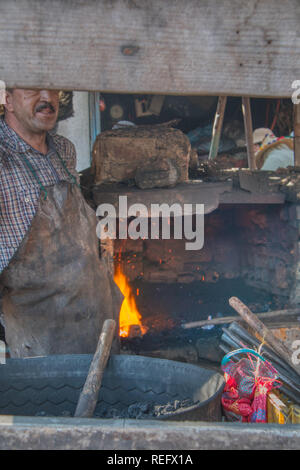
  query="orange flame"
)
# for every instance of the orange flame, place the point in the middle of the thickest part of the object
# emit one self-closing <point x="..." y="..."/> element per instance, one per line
<point x="129" y="314"/>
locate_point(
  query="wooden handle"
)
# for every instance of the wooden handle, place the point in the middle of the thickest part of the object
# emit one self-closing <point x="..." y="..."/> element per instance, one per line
<point x="89" y="394"/>
<point x="258" y="326"/>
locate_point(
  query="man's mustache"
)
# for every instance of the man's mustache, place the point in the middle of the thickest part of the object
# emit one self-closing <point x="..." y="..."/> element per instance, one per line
<point x="43" y="106"/>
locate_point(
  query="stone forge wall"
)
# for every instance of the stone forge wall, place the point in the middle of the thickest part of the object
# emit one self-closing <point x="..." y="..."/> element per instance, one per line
<point x="258" y="243"/>
<point x="269" y="256"/>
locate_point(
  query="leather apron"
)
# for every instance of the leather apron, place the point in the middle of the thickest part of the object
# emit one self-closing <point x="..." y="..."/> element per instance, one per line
<point x="57" y="291"/>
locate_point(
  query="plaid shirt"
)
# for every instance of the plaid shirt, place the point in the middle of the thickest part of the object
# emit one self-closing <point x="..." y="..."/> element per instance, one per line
<point x="19" y="189"/>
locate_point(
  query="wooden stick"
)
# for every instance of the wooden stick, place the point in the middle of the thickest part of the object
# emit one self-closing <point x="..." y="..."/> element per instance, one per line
<point x="257" y="325"/>
<point x="217" y="127"/>
<point x="230" y="319"/>
<point x="246" y="107"/>
<point x="89" y="394"/>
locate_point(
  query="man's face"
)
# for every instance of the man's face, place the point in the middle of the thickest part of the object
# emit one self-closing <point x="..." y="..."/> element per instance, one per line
<point x="35" y="110"/>
<point x="256" y="147"/>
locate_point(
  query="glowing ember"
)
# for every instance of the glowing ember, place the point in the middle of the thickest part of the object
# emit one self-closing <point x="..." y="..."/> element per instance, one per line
<point x="129" y="314"/>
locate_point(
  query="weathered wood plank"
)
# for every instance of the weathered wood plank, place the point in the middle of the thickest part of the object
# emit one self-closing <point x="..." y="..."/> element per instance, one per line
<point x="23" y="433"/>
<point x="229" y="47"/>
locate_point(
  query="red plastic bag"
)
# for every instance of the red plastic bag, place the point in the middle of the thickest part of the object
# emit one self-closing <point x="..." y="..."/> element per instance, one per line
<point x="248" y="383"/>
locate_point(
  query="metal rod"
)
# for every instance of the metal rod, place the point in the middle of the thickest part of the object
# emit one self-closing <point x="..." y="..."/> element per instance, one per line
<point x="229" y="319"/>
<point x="288" y="386"/>
<point x="265" y="350"/>
<point x="217" y="127"/>
<point x="257" y="325"/>
<point x="285" y="375"/>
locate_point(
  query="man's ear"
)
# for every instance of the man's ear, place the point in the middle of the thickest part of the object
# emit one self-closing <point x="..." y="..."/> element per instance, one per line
<point x="9" y="101"/>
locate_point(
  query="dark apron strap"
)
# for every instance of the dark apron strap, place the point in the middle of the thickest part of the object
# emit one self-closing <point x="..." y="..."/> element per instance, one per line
<point x="66" y="168"/>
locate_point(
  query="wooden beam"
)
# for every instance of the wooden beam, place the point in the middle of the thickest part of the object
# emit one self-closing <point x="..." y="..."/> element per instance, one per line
<point x="297" y="134"/>
<point x="217" y="127"/>
<point x="248" y="132"/>
<point x="213" y="47"/>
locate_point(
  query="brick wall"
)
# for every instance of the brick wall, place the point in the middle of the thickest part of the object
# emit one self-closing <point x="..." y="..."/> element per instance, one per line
<point x="258" y="243"/>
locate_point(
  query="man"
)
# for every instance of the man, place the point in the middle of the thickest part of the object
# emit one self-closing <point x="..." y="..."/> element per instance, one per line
<point x="272" y="152"/>
<point x="56" y="291"/>
<point x="260" y="136"/>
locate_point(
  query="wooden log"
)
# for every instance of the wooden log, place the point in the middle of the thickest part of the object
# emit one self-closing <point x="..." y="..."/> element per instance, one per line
<point x="118" y="154"/>
<point x="217" y="127"/>
<point x="248" y="132"/>
<point x="89" y="394"/>
<point x="273" y="315"/>
<point x="235" y="48"/>
<point x="266" y="335"/>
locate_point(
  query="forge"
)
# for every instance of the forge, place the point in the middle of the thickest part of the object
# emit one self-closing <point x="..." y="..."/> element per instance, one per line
<point x="250" y="251"/>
